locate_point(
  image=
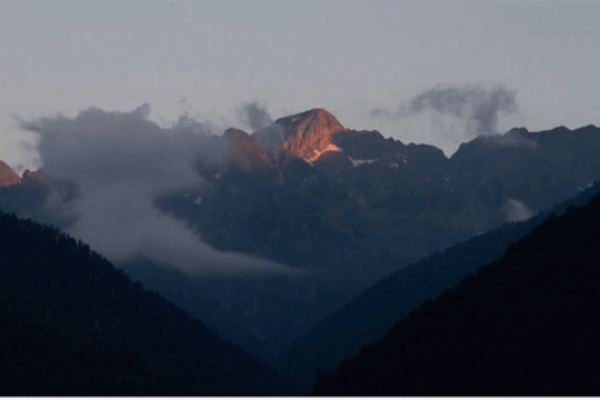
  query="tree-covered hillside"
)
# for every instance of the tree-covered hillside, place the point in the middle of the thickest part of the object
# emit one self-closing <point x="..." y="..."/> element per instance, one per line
<point x="72" y="324"/>
<point x="372" y="314"/>
<point x="524" y="325"/>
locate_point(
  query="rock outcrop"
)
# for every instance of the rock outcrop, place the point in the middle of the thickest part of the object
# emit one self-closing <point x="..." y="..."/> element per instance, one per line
<point x="244" y="152"/>
<point x="8" y="177"/>
<point x="34" y="178"/>
<point x="309" y="134"/>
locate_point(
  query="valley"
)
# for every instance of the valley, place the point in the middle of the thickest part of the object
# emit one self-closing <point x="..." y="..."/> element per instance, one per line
<point x="352" y="213"/>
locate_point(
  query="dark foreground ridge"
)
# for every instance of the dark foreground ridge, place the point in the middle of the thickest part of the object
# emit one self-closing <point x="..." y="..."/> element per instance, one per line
<point x="525" y="325"/>
<point x="71" y="324"/>
<point x="372" y="314"/>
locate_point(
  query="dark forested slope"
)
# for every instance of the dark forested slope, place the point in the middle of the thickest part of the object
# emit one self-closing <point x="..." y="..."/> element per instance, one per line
<point x="524" y="325"/>
<point x="371" y="315"/>
<point x="72" y="324"/>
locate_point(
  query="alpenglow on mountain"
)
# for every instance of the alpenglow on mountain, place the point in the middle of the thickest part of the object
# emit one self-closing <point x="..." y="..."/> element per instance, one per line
<point x="405" y="200"/>
<point x="317" y="138"/>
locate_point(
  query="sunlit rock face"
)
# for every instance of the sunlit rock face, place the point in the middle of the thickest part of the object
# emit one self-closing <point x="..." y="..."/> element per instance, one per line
<point x="309" y="134"/>
<point x="319" y="139"/>
<point x="305" y="136"/>
<point x="8" y="177"/>
<point x="244" y="152"/>
<point x="34" y="177"/>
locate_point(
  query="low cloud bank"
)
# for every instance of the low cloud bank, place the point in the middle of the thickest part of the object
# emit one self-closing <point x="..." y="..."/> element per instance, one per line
<point x="121" y="160"/>
<point x="517" y="211"/>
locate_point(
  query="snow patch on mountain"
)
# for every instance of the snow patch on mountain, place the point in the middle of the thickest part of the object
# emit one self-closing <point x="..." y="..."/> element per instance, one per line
<point x="318" y="153"/>
<point x="517" y="210"/>
<point x="356" y="162"/>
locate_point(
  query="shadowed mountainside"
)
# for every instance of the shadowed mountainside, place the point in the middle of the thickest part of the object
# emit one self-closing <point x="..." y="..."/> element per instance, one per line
<point x="371" y="315"/>
<point x="305" y="183"/>
<point x="524" y="325"/>
<point x="352" y="207"/>
<point x="72" y="324"/>
<point x="347" y="207"/>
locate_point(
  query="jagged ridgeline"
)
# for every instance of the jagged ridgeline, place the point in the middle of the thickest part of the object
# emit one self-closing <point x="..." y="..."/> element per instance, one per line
<point x="524" y="325"/>
<point x="72" y="324"/>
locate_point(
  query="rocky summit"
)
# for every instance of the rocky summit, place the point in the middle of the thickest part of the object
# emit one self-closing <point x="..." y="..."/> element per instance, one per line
<point x="34" y="177"/>
<point x="244" y="152"/>
<point x="305" y="136"/>
<point x="408" y="200"/>
<point x="309" y="134"/>
<point x="8" y="177"/>
<point x="319" y="139"/>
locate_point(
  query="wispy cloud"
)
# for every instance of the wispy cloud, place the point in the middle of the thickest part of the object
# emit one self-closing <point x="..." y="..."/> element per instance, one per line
<point x="253" y="116"/>
<point x="479" y="107"/>
<point x="121" y="160"/>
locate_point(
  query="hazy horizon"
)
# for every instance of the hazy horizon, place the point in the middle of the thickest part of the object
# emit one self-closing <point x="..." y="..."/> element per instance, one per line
<point x="205" y="60"/>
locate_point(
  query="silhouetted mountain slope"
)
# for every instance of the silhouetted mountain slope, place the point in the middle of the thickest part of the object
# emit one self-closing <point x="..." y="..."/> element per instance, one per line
<point x="524" y="325"/>
<point x="371" y="315"/>
<point x="72" y="324"/>
<point x="221" y="304"/>
<point x="262" y="314"/>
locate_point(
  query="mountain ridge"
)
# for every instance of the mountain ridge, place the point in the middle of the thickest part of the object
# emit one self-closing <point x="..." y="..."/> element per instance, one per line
<point x="378" y="205"/>
<point x="73" y="324"/>
<point x="353" y="216"/>
<point x="523" y="325"/>
<point x="8" y="177"/>
<point x="370" y="315"/>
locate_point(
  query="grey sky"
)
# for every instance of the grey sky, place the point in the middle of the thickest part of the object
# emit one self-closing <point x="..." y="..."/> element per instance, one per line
<point x="207" y="59"/>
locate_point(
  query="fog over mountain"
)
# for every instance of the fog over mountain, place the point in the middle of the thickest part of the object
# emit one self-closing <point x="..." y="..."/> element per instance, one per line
<point x="120" y="160"/>
<point x="254" y="116"/>
<point x="312" y="211"/>
<point x="295" y="175"/>
<point x="477" y="106"/>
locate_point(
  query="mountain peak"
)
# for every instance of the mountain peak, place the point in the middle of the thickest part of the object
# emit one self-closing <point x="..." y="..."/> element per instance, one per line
<point x="314" y="119"/>
<point x="308" y="134"/>
<point x="245" y="152"/>
<point x="8" y="177"/>
<point x="34" y="177"/>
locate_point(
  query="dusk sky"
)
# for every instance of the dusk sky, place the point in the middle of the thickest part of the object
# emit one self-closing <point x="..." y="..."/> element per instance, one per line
<point x="206" y="59"/>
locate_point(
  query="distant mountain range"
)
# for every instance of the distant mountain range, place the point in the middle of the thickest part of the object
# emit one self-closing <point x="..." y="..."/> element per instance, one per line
<point x="352" y="206"/>
<point x="521" y="326"/>
<point x="347" y="207"/>
<point x="377" y="194"/>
